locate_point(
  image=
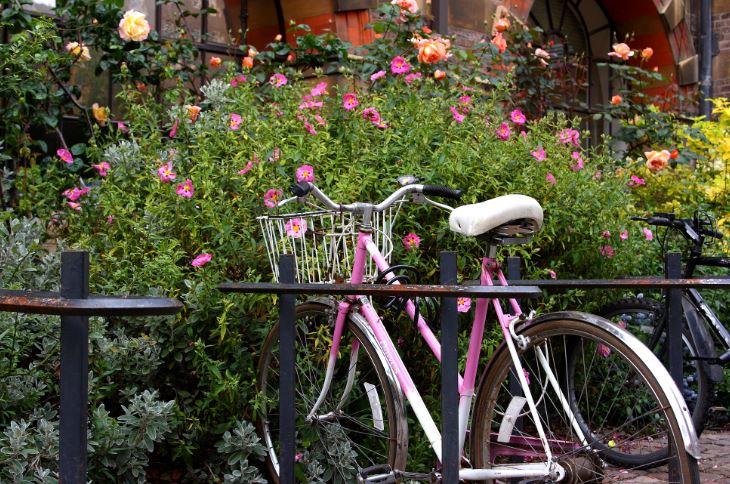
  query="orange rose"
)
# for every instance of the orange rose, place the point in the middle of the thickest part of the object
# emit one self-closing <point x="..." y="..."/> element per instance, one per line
<point x="247" y="62"/>
<point x="215" y="61"/>
<point x="616" y="100"/>
<point x="431" y="51"/>
<point x="439" y="74"/>
<point x="622" y="51"/>
<point x="657" y="160"/>
<point x="502" y="24"/>
<point x="101" y="114"/>
<point x="647" y="53"/>
<point x="499" y="41"/>
<point x="193" y="112"/>
<point x="134" y="26"/>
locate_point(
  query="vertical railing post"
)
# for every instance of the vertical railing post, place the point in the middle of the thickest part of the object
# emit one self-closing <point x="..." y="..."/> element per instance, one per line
<point x="449" y="369"/>
<point x="287" y="416"/>
<point x="74" y="372"/>
<point x="673" y="270"/>
<point x="514" y="273"/>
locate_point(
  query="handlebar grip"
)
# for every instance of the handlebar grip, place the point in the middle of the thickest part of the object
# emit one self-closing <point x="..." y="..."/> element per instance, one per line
<point x="712" y="233"/>
<point x="301" y="189"/>
<point x="442" y="191"/>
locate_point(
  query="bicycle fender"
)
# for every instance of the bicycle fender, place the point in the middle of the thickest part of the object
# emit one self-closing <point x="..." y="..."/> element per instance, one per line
<point x="704" y="345"/>
<point x="676" y="401"/>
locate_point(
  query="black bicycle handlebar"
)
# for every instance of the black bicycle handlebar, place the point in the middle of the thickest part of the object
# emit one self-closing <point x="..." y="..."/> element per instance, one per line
<point x="442" y="191"/>
<point x="690" y="228"/>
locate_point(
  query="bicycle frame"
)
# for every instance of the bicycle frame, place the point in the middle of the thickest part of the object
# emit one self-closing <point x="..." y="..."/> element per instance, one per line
<point x="490" y="271"/>
<point x="702" y="307"/>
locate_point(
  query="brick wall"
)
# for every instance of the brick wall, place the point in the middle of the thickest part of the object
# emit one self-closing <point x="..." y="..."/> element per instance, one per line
<point x="721" y="62"/>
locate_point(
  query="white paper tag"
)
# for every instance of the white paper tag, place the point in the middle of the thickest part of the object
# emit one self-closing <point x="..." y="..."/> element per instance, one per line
<point x="377" y="410"/>
<point x="514" y="409"/>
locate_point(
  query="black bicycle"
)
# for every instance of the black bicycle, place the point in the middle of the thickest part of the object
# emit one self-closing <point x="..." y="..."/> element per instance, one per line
<point x="702" y="329"/>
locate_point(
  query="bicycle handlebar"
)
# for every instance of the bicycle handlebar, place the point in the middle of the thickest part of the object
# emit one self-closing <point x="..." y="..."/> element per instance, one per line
<point x="304" y="188"/>
<point x="690" y="228"/>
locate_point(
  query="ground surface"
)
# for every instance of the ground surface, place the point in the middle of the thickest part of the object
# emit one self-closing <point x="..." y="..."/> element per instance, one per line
<point x="715" y="463"/>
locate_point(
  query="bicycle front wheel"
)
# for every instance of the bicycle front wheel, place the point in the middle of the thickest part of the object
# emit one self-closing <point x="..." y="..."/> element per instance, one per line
<point x="360" y="423"/>
<point x="593" y="395"/>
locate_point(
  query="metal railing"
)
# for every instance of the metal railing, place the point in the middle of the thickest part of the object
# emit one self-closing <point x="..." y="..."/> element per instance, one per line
<point x="448" y="292"/>
<point x="74" y="304"/>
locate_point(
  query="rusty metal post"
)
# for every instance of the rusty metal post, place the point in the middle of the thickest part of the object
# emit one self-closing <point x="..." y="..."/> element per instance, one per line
<point x="449" y="371"/>
<point x="74" y="371"/>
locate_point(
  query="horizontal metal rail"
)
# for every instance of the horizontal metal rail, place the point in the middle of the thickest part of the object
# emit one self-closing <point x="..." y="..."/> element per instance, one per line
<point x="74" y="304"/>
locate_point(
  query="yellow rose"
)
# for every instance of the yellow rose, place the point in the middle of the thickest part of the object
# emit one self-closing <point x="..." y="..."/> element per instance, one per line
<point x="101" y="114"/>
<point x="134" y="26"/>
<point x="80" y="51"/>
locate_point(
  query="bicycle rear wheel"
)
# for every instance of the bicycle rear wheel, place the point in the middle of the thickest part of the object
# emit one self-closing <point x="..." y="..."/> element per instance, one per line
<point x="362" y="420"/>
<point x="644" y="318"/>
<point x="610" y="390"/>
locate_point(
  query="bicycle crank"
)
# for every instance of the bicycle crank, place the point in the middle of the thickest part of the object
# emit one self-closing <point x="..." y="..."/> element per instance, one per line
<point x="583" y="467"/>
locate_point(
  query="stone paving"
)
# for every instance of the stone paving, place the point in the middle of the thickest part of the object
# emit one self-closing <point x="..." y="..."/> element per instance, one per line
<point x="715" y="463"/>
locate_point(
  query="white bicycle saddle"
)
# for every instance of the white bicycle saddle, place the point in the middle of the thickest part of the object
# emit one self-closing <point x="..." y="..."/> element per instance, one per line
<point x="513" y="215"/>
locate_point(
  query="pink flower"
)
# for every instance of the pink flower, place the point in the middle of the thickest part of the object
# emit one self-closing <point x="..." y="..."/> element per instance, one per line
<point x="185" y="189"/>
<point x="465" y="101"/>
<point x="539" y="153"/>
<point x="622" y="51"/>
<point x="272" y="197"/>
<point x="173" y="131"/>
<point x="636" y="181"/>
<point x="648" y="233"/>
<point x="606" y="234"/>
<point x="305" y="173"/>
<point x="569" y="135"/>
<point x="624" y="235"/>
<point x="349" y="101"/>
<point x="246" y="169"/>
<point x="457" y="116"/>
<point x="503" y="132"/>
<point x="102" y="168"/>
<point x="399" y="65"/>
<point x="311" y="105"/>
<point x="76" y="206"/>
<point x="578" y="162"/>
<point x="463" y="304"/>
<point x="296" y="228"/>
<point x="278" y="80"/>
<point x="377" y="75"/>
<point x="371" y="114"/>
<point x="298" y="456"/>
<point x="319" y="89"/>
<point x="550" y="178"/>
<point x="517" y="117"/>
<point x="603" y="350"/>
<point x="235" y="122"/>
<point x="275" y="155"/>
<point x="606" y="251"/>
<point x="412" y="77"/>
<point x="411" y="241"/>
<point x="75" y="193"/>
<point x="65" y="155"/>
<point x="165" y="173"/>
<point x="308" y="126"/>
<point x="527" y="375"/>
<point x="320" y="120"/>
<point x="552" y="274"/>
<point x="201" y="260"/>
<point x="122" y="127"/>
<point x="238" y="80"/>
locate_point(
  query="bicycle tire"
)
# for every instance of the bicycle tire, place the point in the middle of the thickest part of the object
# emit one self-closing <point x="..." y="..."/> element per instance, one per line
<point x="333" y="448"/>
<point x="560" y="336"/>
<point x="643" y="317"/>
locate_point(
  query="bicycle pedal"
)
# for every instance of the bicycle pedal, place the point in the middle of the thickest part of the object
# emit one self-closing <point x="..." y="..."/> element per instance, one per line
<point x="377" y="474"/>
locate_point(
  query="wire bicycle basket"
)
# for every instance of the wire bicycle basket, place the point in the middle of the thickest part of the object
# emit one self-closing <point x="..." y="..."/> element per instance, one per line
<point x="323" y="242"/>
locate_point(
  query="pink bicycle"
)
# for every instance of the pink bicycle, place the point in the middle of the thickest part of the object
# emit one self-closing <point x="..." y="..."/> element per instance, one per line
<point x="567" y="397"/>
